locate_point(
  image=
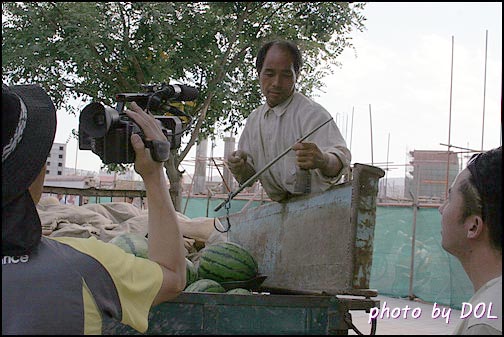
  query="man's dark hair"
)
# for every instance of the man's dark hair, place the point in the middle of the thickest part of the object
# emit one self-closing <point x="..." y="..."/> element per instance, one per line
<point x="471" y="200"/>
<point x="291" y="47"/>
<point x="486" y="180"/>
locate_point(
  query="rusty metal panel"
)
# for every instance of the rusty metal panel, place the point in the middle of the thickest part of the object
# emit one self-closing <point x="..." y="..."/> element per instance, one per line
<point x="304" y="244"/>
<point x="319" y="242"/>
<point x="365" y="191"/>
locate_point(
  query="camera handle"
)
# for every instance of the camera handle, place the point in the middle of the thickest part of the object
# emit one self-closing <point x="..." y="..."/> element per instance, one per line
<point x="160" y="150"/>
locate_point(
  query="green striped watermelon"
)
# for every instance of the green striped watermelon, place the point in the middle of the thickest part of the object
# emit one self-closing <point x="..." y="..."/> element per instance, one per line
<point x="132" y="243"/>
<point x="225" y="262"/>
<point x="205" y="286"/>
<point x="239" y="291"/>
<point x="191" y="272"/>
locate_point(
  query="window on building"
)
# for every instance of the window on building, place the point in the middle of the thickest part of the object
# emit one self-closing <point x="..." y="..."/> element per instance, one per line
<point x="47" y="171"/>
<point x="61" y="148"/>
<point x="60" y="156"/>
<point x="60" y="164"/>
<point x="49" y="155"/>
<point x="59" y="173"/>
<point x="48" y="163"/>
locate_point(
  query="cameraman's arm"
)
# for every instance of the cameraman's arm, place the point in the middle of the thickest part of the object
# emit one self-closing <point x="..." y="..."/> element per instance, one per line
<point x="165" y="239"/>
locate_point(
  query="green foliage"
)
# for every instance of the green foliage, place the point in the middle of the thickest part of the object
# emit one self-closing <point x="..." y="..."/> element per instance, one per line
<point x="93" y="50"/>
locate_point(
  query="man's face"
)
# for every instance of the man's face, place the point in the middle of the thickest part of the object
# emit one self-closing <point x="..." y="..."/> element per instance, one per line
<point x="453" y="227"/>
<point x="277" y="76"/>
<point x="37" y="187"/>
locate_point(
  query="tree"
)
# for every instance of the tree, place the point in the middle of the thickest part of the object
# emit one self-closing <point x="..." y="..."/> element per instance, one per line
<point x="94" y="50"/>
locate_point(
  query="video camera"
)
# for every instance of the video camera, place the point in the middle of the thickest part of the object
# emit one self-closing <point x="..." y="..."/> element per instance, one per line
<point x="106" y="131"/>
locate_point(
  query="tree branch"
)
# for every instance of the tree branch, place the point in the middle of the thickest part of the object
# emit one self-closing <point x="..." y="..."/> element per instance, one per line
<point x="124" y="83"/>
<point x="222" y="71"/>
<point x="268" y="18"/>
<point x="139" y="73"/>
<point x="197" y="128"/>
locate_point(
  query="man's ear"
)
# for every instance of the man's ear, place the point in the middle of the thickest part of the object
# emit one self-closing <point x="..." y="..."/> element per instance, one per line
<point x="475" y="226"/>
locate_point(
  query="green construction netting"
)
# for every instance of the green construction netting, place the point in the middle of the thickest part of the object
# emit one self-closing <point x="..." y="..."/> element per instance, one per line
<point x="438" y="277"/>
<point x="204" y="207"/>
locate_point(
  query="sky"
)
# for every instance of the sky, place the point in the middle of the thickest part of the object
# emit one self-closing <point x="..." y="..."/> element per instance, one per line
<point x="399" y="90"/>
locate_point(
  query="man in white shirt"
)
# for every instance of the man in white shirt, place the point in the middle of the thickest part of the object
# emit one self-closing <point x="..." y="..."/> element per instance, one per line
<point x="278" y="124"/>
<point x="472" y="232"/>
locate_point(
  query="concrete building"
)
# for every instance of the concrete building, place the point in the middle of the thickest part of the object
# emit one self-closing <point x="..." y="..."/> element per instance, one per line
<point x="199" y="183"/>
<point x="56" y="160"/>
<point x="58" y="175"/>
<point x="432" y="172"/>
<point x="74" y="181"/>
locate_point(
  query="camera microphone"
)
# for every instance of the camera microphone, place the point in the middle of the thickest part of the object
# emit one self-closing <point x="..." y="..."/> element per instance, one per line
<point x="178" y="92"/>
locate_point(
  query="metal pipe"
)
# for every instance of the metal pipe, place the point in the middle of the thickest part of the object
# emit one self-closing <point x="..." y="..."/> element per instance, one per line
<point x="351" y="131"/>
<point x="484" y="93"/>
<point x="411" y="295"/>
<point x="387" y="168"/>
<point x="449" y="125"/>
<point x="371" y="129"/>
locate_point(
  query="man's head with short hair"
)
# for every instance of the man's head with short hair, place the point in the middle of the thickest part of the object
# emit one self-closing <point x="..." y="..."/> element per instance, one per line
<point x="471" y="216"/>
<point x="278" y="64"/>
<point x="292" y="48"/>
<point x="483" y="196"/>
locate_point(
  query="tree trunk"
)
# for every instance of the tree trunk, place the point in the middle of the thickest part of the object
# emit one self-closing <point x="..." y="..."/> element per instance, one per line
<point x="175" y="178"/>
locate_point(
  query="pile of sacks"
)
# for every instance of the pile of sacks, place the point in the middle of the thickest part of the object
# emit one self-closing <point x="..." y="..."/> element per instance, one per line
<point x="108" y="220"/>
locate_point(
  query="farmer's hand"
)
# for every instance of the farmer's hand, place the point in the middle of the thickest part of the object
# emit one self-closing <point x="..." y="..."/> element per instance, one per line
<point x="237" y="164"/>
<point x="237" y="161"/>
<point x="309" y="156"/>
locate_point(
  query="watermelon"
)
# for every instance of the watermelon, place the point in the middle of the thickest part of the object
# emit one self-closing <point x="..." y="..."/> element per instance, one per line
<point x="239" y="291"/>
<point x="132" y="243"/>
<point x="226" y="262"/>
<point x="191" y="272"/>
<point x="205" y="286"/>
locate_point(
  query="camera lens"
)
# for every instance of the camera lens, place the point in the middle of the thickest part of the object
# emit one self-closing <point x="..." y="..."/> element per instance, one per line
<point x="96" y="119"/>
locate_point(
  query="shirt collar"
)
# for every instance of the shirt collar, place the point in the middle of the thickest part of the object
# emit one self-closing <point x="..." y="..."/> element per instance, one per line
<point x="280" y="109"/>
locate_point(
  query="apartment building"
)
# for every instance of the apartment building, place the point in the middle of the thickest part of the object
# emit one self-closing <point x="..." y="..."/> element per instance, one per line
<point x="56" y="160"/>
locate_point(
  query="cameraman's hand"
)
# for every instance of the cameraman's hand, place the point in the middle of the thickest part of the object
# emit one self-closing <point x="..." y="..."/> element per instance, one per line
<point x="144" y="164"/>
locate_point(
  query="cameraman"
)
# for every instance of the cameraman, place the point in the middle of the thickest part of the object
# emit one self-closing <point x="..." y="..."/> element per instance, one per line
<point x="66" y="285"/>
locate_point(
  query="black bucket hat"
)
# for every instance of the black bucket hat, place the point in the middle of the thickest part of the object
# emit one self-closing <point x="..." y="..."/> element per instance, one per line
<point x="28" y="130"/>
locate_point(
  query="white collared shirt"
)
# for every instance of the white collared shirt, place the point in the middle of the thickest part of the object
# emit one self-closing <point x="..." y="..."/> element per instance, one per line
<point x="489" y="294"/>
<point x="270" y="131"/>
